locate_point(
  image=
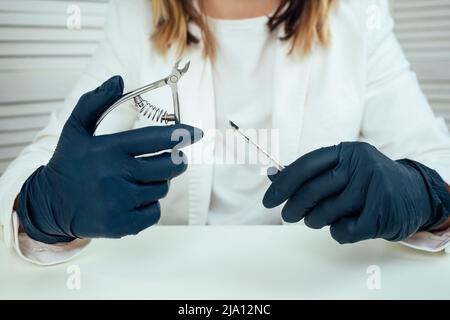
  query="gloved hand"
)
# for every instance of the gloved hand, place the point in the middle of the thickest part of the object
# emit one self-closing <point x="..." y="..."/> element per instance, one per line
<point x="93" y="186"/>
<point x="360" y="193"/>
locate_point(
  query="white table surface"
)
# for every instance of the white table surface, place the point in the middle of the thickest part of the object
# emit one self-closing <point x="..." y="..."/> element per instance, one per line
<point x="259" y="262"/>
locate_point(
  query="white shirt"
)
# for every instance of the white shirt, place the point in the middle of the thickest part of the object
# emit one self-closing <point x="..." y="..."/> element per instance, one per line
<point x="243" y="73"/>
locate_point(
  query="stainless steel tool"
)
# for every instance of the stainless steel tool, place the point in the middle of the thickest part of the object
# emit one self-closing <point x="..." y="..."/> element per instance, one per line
<point x="277" y="164"/>
<point x="146" y="108"/>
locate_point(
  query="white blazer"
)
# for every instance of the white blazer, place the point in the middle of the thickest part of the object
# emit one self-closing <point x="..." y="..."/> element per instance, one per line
<point x="360" y="88"/>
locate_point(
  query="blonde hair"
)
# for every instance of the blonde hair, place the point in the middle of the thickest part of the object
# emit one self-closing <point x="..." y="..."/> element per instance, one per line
<point x="305" y="22"/>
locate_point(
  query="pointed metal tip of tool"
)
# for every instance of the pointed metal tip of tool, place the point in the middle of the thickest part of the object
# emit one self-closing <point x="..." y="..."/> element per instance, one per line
<point x="184" y="69"/>
<point x="188" y="63"/>
<point x="234" y="125"/>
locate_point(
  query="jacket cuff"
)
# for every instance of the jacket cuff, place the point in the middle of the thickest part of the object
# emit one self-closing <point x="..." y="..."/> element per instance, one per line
<point x="429" y="241"/>
<point x="45" y="254"/>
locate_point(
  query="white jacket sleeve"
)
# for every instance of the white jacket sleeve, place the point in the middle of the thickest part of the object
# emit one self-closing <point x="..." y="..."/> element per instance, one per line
<point x="115" y="55"/>
<point x="397" y="118"/>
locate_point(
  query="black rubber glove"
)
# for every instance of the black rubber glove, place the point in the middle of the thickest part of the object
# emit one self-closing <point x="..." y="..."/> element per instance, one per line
<point x="93" y="186"/>
<point x="360" y="193"/>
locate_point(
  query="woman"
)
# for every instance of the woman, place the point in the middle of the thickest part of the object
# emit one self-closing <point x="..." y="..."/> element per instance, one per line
<point x="317" y="72"/>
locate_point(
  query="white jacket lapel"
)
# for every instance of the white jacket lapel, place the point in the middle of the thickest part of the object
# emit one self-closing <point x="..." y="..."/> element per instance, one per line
<point x="198" y="109"/>
<point x="291" y="82"/>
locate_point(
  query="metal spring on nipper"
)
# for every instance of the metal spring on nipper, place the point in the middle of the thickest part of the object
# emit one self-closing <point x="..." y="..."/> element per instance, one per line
<point x="150" y="111"/>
